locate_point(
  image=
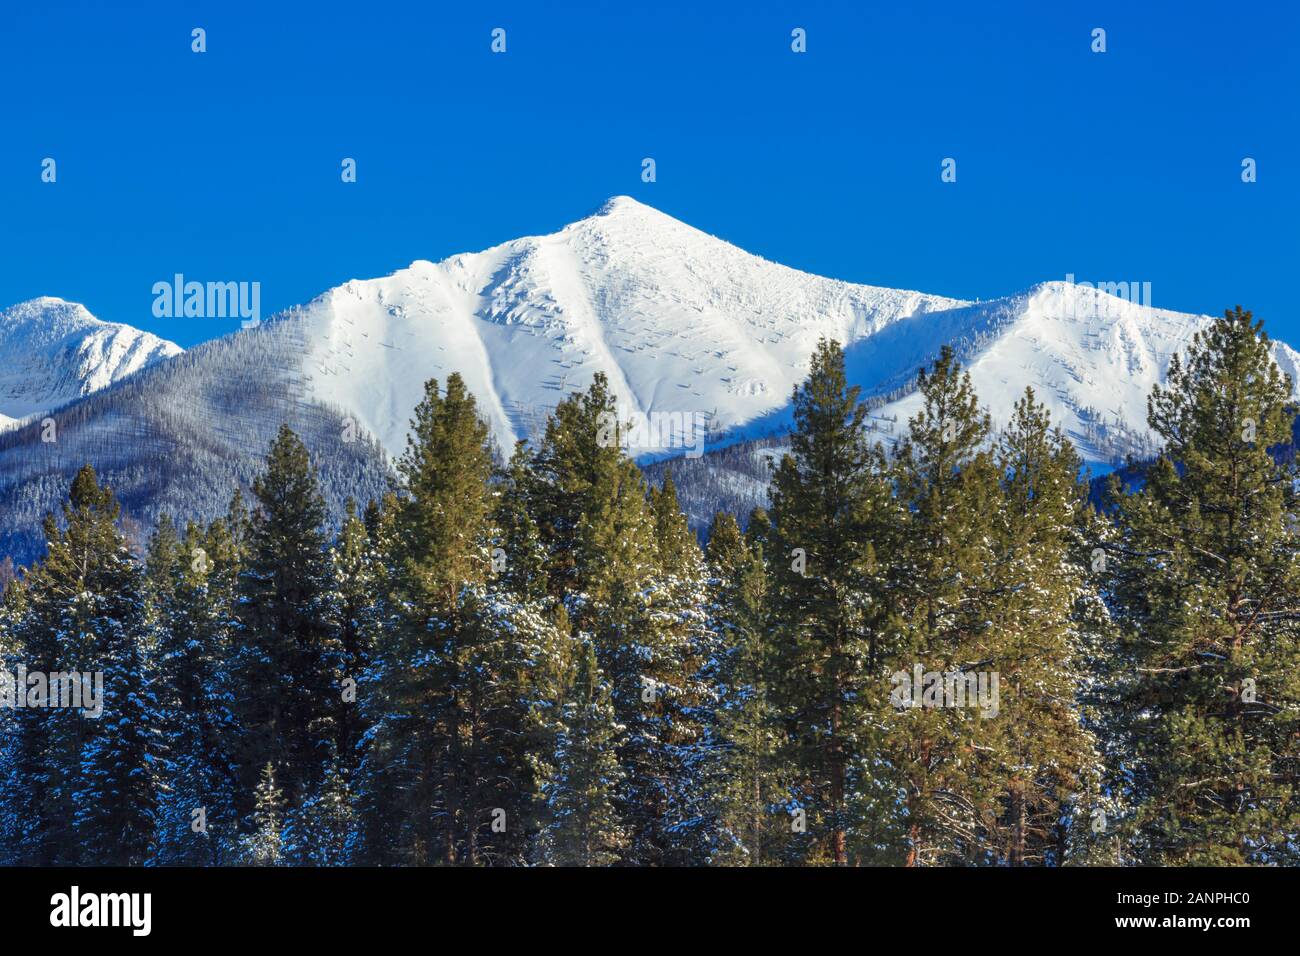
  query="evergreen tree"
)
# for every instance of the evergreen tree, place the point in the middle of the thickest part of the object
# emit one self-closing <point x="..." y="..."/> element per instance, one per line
<point x="1206" y="591"/>
<point x="582" y="826"/>
<point x="264" y="845"/>
<point x="81" y="783"/>
<point x="830" y="505"/>
<point x="192" y="597"/>
<point x="940" y="590"/>
<point x="597" y="529"/>
<point x="519" y="560"/>
<point x="678" y="602"/>
<point x="288" y="703"/>
<point x="116" y="803"/>
<point x="356" y="616"/>
<point x="744" y="784"/>
<point x="448" y="753"/>
<point x="321" y="832"/>
<point x="12" y="603"/>
<point x="1044" y="758"/>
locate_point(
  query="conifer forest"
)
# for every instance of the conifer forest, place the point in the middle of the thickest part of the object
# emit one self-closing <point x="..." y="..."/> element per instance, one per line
<point x="957" y="652"/>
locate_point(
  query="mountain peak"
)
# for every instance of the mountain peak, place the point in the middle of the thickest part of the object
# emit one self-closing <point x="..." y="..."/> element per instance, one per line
<point x="47" y="318"/>
<point x="616" y="204"/>
<point x="626" y="210"/>
<point x="53" y="351"/>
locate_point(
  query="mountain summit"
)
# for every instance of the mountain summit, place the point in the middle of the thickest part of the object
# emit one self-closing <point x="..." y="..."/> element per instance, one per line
<point x="683" y="325"/>
<point x="679" y="322"/>
<point x="53" y="352"/>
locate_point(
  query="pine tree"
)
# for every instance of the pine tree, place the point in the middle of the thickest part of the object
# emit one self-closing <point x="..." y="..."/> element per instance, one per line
<point x="116" y="803"/>
<point x="82" y="784"/>
<point x="743" y="783"/>
<point x="519" y="560"/>
<point x="356" y="611"/>
<point x="939" y="590"/>
<point x="830" y="503"/>
<point x="192" y="598"/>
<point x="678" y="603"/>
<point x="264" y="845"/>
<point x="450" y="705"/>
<point x="597" y="529"/>
<point x="288" y="703"/>
<point x="161" y="560"/>
<point x="12" y="604"/>
<point x="1206" y="591"/>
<point x="321" y="831"/>
<point x="1045" y="759"/>
<point x="582" y="826"/>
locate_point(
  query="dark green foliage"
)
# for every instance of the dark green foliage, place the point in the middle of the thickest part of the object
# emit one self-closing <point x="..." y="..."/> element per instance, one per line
<point x="1207" y="589"/>
<point x="830" y="508"/>
<point x="533" y="663"/>
<point x="286" y="700"/>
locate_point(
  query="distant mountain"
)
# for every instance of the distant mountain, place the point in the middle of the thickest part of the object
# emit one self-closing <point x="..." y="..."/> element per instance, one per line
<point x="1091" y="357"/>
<point x="180" y="436"/>
<point x="684" y="325"/>
<point x="53" y="352"/>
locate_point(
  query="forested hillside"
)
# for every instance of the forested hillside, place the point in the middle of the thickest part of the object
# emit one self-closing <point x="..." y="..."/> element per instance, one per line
<point x="180" y="436"/>
<point x="939" y="654"/>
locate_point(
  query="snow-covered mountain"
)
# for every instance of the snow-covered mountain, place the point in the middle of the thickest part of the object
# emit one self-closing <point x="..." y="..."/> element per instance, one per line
<point x="678" y="320"/>
<point x="681" y="323"/>
<point x="53" y="352"/>
<point x="1090" y="356"/>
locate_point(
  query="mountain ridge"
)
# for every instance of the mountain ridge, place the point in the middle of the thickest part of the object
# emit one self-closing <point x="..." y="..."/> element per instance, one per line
<point x="53" y="352"/>
<point x="681" y="323"/>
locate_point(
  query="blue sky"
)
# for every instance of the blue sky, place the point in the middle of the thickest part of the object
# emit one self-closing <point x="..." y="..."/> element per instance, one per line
<point x="225" y="165"/>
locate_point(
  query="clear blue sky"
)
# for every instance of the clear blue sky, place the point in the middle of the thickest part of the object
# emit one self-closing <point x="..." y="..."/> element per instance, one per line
<point x="225" y="165"/>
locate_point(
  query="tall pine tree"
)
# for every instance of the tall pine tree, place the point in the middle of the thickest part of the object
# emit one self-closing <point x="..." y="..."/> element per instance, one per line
<point x="830" y="507"/>
<point x="1207" y="591"/>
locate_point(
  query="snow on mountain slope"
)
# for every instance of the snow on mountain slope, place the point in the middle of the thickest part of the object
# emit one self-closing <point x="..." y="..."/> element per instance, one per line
<point x="682" y="322"/>
<point x="53" y="352"/>
<point x="1091" y="357"/>
<point x="678" y="320"/>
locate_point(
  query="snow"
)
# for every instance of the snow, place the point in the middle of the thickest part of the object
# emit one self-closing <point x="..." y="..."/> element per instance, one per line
<point x="683" y="322"/>
<point x="53" y="352"/>
<point x="1091" y="357"/>
<point x="679" y="321"/>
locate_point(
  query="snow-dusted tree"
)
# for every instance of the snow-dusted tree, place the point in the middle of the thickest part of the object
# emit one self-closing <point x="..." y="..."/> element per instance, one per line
<point x="264" y="843"/>
<point x="742" y="779"/>
<point x="947" y="482"/>
<point x="192" y="597"/>
<point x="321" y="831"/>
<point x="285" y="653"/>
<point x="830" y="503"/>
<point x="117" y="800"/>
<point x="1207" y="592"/>
<point x="597" y="530"/>
<point x="81" y="785"/>
<point x="446" y="759"/>
<point x="677" y="602"/>
<point x="356" y="608"/>
<point x="581" y="827"/>
<point x="1046" y="764"/>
